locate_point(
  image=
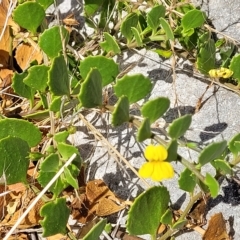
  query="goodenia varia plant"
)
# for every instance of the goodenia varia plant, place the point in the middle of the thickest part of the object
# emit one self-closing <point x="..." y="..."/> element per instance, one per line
<point x="60" y="91"/>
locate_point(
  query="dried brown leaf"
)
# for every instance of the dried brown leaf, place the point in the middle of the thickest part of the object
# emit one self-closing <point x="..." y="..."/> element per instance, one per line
<point x="216" y="228"/>
<point x="26" y="53"/>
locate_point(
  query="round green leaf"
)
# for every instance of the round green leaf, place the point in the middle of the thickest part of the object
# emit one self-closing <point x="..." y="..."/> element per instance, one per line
<point x="193" y="19"/>
<point x="37" y="77"/>
<point x="121" y="112"/>
<point x="135" y="87"/>
<point x="14" y="159"/>
<point x="106" y="67"/>
<point x="180" y="126"/>
<point x="212" y="152"/>
<point x="29" y="15"/>
<point x="91" y="90"/>
<point x="222" y="165"/>
<point x="51" y="41"/>
<point x="148" y="208"/>
<point x="155" y="108"/>
<point x="58" y="77"/>
<point x="187" y="181"/>
<point x="56" y="214"/>
<point x="22" y="129"/>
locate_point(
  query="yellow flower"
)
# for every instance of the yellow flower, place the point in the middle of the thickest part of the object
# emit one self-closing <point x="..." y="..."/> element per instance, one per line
<point x="222" y="72"/>
<point x="156" y="168"/>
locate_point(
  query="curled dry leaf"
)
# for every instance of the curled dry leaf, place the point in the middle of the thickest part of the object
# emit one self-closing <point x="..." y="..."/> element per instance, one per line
<point x="216" y="228"/>
<point x="26" y="53"/>
<point x="5" y="47"/>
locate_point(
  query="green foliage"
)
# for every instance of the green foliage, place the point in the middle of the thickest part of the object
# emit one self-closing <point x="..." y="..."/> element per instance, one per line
<point x="91" y="90"/>
<point x="58" y="77"/>
<point x="234" y="66"/>
<point x="55" y="214"/>
<point x="52" y="40"/>
<point x="21" y="129"/>
<point x="135" y="87"/>
<point x="167" y="29"/>
<point x="45" y="3"/>
<point x="233" y="147"/>
<point x="130" y="21"/>
<point x="14" y="159"/>
<point x="155" y="108"/>
<point x="172" y="151"/>
<point x="212" y="152"/>
<point x="153" y="17"/>
<point x="106" y="67"/>
<point x="144" y="131"/>
<point x="152" y="205"/>
<point x="187" y="181"/>
<point x="110" y="44"/>
<point x="180" y="126"/>
<point x="167" y="217"/>
<point x="37" y="77"/>
<point x="121" y="112"/>
<point x="96" y="231"/>
<point x="213" y="185"/>
<point x="29" y="15"/>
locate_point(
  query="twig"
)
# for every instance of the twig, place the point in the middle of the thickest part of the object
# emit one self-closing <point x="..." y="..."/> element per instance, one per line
<point x="40" y="196"/>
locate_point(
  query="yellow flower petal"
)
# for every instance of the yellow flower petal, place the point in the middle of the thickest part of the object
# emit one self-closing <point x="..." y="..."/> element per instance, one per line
<point x="155" y="153"/>
<point x="162" y="170"/>
<point x="146" y="170"/>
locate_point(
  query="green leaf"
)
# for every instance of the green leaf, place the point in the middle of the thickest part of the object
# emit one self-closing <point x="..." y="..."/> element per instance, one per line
<point x="212" y="152"/>
<point x="163" y="53"/>
<point x="212" y="184"/>
<point x="96" y="230"/>
<point x="187" y="181"/>
<point x="14" y="159"/>
<point x="37" y="77"/>
<point x="67" y="151"/>
<point x="137" y="36"/>
<point x="61" y="136"/>
<point x="155" y="108"/>
<point x="167" y="217"/>
<point x="50" y="164"/>
<point x="153" y="17"/>
<point x="90" y="94"/>
<point x="206" y="57"/>
<point x="172" y="151"/>
<point x="130" y="21"/>
<point x="167" y="29"/>
<point x="193" y="19"/>
<point x="232" y="146"/>
<point x="234" y="66"/>
<point x="29" y="15"/>
<point x="20" y="87"/>
<point x="55" y="214"/>
<point x="22" y="129"/>
<point x="110" y="44"/>
<point x="179" y="126"/>
<point x="45" y="3"/>
<point x="144" y="131"/>
<point x="38" y="115"/>
<point x="152" y="204"/>
<point x="121" y="112"/>
<point x="179" y="224"/>
<point x="70" y="178"/>
<point x="135" y="87"/>
<point x="107" y="68"/>
<point x="55" y="104"/>
<point x="51" y="42"/>
<point x="222" y="166"/>
<point x="58" y="77"/>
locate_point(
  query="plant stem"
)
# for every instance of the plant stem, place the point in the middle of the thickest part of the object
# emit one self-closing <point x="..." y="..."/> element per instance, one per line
<point x="184" y="214"/>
